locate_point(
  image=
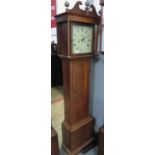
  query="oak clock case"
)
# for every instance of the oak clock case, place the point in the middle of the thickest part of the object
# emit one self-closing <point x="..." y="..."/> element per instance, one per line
<point x="78" y="126"/>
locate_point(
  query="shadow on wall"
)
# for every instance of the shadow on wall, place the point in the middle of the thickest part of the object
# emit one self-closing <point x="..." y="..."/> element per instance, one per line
<point x="97" y="90"/>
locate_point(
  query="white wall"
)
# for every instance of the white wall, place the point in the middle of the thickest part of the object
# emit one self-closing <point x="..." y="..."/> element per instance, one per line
<point x="53" y="35"/>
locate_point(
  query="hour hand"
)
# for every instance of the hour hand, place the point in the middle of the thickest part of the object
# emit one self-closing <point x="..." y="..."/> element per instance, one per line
<point x="82" y="39"/>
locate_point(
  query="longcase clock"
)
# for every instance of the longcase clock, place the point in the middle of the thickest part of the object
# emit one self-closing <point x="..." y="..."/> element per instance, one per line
<point x="77" y="32"/>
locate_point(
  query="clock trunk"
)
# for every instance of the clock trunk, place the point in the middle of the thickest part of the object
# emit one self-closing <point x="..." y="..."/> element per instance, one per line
<point x="78" y="127"/>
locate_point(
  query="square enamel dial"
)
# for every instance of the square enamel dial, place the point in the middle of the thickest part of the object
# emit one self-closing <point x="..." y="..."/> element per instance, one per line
<point x="82" y="39"/>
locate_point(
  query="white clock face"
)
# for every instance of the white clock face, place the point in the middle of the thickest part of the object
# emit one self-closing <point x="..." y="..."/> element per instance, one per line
<point x="82" y="37"/>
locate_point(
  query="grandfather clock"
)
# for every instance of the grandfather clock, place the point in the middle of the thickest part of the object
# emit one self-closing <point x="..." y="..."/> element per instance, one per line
<point x="77" y="32"/>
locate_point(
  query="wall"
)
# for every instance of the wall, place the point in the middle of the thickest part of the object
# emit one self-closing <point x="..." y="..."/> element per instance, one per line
<point x="97" y="85"/>
<point x="97" y="90"/>
<point x="61" y="8"/>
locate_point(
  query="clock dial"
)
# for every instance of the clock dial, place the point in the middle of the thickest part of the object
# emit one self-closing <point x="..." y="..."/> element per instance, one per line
<point x="82" y="37"/>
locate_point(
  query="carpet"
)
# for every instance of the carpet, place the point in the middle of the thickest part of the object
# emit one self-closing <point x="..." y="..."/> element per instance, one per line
<point x="57" y="110"/>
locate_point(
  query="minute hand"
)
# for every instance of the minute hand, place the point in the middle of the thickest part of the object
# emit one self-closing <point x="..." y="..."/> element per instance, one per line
<point x="83" y="39"/>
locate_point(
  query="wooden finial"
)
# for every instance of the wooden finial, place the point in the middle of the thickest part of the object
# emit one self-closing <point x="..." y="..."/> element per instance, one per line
<point x="87" y="4"/>
<point x="102" y="2"/>
<point x="67" y="4"/>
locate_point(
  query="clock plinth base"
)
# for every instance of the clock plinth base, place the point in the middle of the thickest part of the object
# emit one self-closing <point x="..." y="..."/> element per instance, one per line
<point x="77" y="136"/>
